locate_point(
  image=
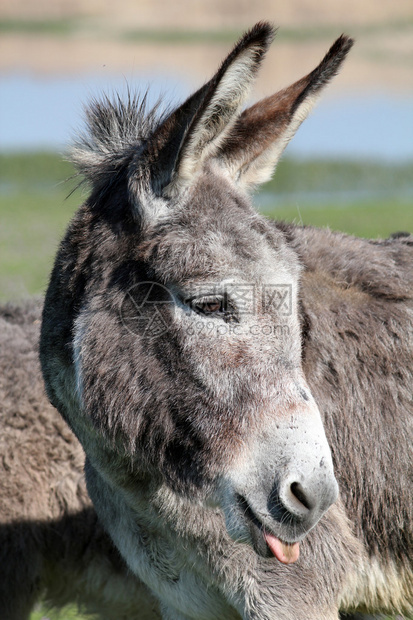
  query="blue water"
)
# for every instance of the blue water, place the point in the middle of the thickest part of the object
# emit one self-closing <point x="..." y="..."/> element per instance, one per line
<point x="43" y="113"/>
<point x="378" y="126"/>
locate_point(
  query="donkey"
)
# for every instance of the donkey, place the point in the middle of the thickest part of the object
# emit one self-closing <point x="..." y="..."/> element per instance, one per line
<point x="52" y="546"/>
<point x="199" y="353"/>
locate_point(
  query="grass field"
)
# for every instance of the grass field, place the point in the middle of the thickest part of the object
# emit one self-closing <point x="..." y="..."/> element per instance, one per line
<point x="66" y="27"/>
<point x="369" y="200"/>
<point x="70" y="613"/>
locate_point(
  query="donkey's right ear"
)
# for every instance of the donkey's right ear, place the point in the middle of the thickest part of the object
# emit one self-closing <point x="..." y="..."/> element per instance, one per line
<point x="258" y="139"/>
<point x="194" y="132"/>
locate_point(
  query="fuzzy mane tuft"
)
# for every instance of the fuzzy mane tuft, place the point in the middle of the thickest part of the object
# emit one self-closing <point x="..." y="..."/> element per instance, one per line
<point x="116" y="130"/>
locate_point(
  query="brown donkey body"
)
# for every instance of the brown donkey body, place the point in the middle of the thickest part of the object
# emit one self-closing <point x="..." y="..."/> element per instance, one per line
<point x="208" y="359"/>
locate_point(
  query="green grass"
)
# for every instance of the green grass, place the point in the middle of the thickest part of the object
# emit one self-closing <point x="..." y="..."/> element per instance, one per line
<point x="299" y="34"/>
<point x="364" y="199"/>
<point x="371" y="219"/>
<point x="31" y="225"/>
<point x="25" y="169"/>
<point x="34" y="213"/>
<point x="174" y="37"/>
<point x="35" y="209"/>
<point x="342" y="176"/>
<point x="36" y="26"/>
<point x="68" y="613"/>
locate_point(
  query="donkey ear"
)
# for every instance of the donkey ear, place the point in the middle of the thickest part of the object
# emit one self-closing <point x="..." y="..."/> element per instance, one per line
<point x="194" y="131"/>
<point x="261" y="133"/>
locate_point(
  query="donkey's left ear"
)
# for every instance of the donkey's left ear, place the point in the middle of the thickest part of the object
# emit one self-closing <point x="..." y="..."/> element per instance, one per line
<point x="194" y="131"/>
<point x="260" y="135"/>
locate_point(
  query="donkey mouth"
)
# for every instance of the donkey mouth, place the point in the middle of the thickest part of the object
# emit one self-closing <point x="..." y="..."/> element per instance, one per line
<point x="287" y="553"/>
<point x="265" y="543"/>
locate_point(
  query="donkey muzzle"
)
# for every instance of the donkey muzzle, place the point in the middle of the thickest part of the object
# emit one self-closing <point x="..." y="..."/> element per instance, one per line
<point x="287" y="486"/>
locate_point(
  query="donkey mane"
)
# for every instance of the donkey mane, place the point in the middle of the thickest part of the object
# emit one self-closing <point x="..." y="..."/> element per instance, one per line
<point x="116" y="128"/>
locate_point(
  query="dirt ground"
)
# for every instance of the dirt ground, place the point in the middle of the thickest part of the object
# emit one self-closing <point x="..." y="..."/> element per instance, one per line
<point x="99" y="38"/>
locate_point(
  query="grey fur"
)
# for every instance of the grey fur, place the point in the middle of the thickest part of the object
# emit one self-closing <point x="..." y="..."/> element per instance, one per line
<point x="51" y="544"/>
<point x="180" y="426"/>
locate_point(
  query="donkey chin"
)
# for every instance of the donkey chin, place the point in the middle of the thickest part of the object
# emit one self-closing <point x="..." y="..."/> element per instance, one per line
<point x="277" y="493"/>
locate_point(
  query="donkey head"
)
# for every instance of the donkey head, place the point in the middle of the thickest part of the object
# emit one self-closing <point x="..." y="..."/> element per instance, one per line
<point x="171" y="334"/>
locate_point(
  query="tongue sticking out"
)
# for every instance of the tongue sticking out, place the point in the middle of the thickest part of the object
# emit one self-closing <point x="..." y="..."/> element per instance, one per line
<point x="284" y="552"/>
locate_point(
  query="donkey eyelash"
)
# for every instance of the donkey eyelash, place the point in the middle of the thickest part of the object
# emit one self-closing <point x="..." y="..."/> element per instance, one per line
<point x="206" y="305"/>
<point x="210" y="306"/>
<point x="214" y="306"/>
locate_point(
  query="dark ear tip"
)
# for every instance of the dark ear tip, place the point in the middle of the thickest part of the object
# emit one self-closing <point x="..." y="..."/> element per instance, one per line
<point x="265" y="28"/>
<point x="335" y="56"/>
<point x="263" y="32"/>
<point x="344" y="43"/>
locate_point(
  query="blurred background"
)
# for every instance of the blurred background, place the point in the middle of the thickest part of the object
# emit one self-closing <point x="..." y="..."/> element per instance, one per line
<point x="349" y="166"/>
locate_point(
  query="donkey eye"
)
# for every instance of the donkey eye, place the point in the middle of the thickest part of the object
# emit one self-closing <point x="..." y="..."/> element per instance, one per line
<point x="220" y="307"/>
<point x="207" y="305"/>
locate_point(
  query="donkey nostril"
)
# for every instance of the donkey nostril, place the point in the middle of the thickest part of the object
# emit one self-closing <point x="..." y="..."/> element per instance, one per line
<point x="299" y="493"/>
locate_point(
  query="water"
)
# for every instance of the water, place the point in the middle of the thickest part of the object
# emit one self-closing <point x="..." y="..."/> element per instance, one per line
<point x="378" y="127"/>
<point x="43" y="113"/>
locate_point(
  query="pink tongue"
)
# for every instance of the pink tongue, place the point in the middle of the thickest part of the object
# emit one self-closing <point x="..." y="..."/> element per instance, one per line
<point x="284" y="552"/>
